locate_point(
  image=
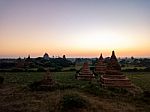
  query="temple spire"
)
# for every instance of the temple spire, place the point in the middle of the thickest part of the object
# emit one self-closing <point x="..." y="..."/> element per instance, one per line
<point x="85" y="73"/>
<point x="100" y="66"/>
<point x="101" y="57"/>
<point x="113" y="56"/>
<point x="113" y="77"/>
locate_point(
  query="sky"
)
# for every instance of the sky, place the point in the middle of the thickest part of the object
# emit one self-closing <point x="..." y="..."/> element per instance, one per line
<point x="76" y="28"/>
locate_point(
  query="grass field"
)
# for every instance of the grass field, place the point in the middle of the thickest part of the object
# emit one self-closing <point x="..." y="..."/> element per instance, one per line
<point x="132" y="67"/>
<point x="16" y="97"/>
<point x="141" y="79"/>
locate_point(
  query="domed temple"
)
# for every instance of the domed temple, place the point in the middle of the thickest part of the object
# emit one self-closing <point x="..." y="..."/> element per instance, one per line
<point x="85" y="73"/>
<point x="100" y="67"/>
<point x="113" y="76"/>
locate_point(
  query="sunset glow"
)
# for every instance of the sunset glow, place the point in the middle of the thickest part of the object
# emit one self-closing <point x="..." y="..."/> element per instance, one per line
<point x="76" y="28"/>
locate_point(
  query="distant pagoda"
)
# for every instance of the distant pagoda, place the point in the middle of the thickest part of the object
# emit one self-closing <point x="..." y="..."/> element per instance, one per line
<point x="46" y="56"/>
<point x="85" y="73"/>
<point x="100" y="67"/>
<point x="47" y="81"/>
<point x="113" y="76"/>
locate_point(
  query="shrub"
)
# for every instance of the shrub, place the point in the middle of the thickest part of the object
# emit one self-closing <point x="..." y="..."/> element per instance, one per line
<point x="94" y="88"/>
<point x="18" y="70"/>
<point x="41" y="69"/>
<point x="146" y="94"/>
<point x="118" y="90"/>
<point x="58" y="68"/>
<point x="35" y="85"/>
<point x="72" y="101"/>
<point x="1" y="80"/>
<point x="66" y="86"/>
<point x="72" y="69"/>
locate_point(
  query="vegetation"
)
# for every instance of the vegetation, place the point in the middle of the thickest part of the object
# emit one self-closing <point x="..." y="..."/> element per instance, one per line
<point x="15" y="94"/>
<point x="141" y="79"/>
<point x="72" y="101"/>
<point x="1" y="80"/>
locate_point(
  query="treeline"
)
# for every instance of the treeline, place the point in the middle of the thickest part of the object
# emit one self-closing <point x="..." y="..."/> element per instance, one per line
<point x="147" y="69"/>
<point x="37" y="64"/>
<point x="141" y="62"/>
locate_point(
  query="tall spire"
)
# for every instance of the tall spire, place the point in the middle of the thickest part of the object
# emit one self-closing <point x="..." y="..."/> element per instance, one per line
<point x="100" y="66"/>
<point x="113" y="77"/>
<point x="101" y="57"/>
<point x="113" y="64"/>
<point x="113" y="56"/>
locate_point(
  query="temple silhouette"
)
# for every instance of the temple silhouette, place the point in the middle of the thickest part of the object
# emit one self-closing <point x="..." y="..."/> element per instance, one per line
<point x="100" y="66"/>
<point x="85" y="73"/>
<point x="109" y="71"/>
<point x="112" y="76"/>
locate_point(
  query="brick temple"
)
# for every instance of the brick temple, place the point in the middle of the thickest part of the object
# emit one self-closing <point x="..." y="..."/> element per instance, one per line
<point x="100" y="67"/>
<point x="47" y="80"/>
<point x="85" y="73"/>
<point x="113" y="76"/>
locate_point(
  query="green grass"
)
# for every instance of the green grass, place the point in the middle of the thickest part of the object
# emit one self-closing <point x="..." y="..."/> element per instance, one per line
<point x="21" y="78"/>
<point x="25" y="78"/>
<point x="132" y="67"/>
<point x="14" y="98"/>
<point x="141" y="79"/>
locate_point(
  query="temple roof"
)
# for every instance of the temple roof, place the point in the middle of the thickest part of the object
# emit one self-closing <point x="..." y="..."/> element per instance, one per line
<point x="85" y="69"/>
<point x="113" y="64"/>
<point x="113" y="56"/>
<point x="101" y="57"/>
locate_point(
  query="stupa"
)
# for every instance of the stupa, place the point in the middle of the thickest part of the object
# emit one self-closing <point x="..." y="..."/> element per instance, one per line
<point x="46" y="56"/>
<point x="47" y="80"/>
<point x="85" y="73"/>
<point x="113" y="76"/>
<point x="100" y="67"/>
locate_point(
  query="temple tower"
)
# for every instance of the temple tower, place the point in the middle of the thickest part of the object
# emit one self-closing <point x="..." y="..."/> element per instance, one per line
<point x="47" y="80"/>
<point x="100" y="67"/>
<point x="85" y="73"/>
<point x="113" y="76"/>
<point x="114" y="62"/>
<point x="46" y="56"/>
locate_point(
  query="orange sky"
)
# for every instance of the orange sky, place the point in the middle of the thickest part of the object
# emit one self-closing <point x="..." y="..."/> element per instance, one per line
<point x="74" y="28"/>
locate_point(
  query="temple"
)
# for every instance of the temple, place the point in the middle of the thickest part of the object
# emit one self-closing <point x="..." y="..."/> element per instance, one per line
<point x="46" y="56"/>
<point x="47" y="81"/>
<point x="85" y="73"/>
<point x="113" y="76"/>
<point x="100" y="67"/>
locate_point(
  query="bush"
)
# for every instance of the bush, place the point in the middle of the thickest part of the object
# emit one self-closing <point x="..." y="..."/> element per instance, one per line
<point x="35" y="85"/>
<point x="1" y="80"/>
<point x="41" y="69"/>
<point x="145" y="97"/>
<point x="118" y="91"/>
<point x="72" y="101"/>
<point x="146" y="94"/>
<point x="96" y="89"/>
<point x="18" y="70"/>
<point x="58" y="68"/>
<point x="66" y="86"/>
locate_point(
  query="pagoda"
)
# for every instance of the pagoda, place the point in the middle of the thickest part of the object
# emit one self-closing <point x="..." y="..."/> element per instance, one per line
<point x="85" y="73"/>
<point x="100" y="67"/>
<point x="47" y="81"/>
<point x="46" y="56"/>
<point x="113" y="76"/>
